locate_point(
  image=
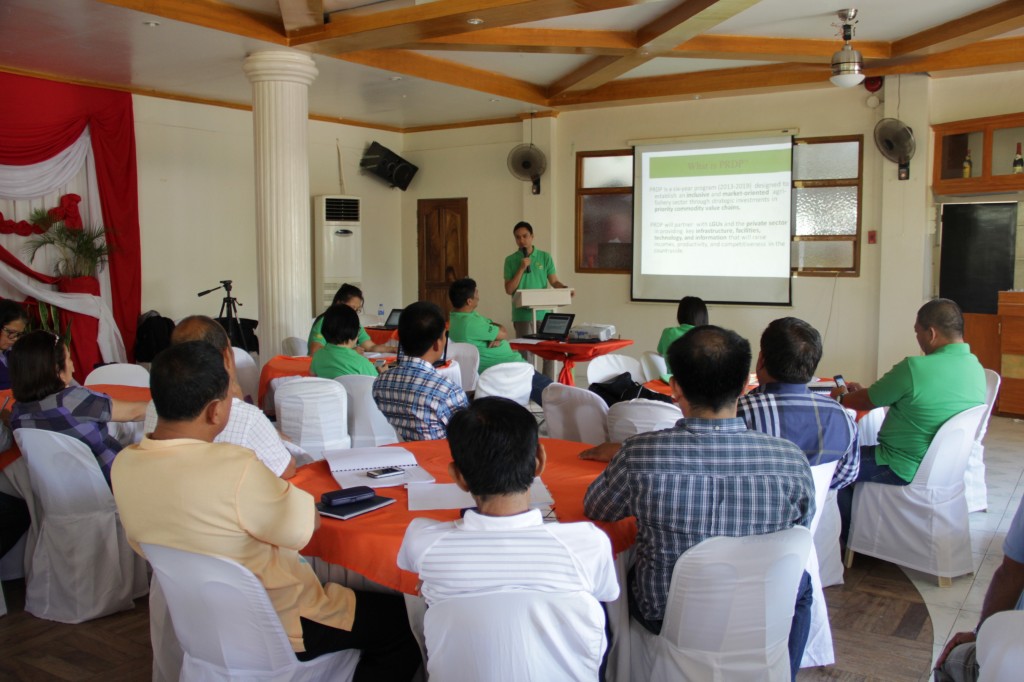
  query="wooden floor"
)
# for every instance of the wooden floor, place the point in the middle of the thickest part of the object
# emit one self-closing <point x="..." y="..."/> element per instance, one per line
<point x="880" y="626"/>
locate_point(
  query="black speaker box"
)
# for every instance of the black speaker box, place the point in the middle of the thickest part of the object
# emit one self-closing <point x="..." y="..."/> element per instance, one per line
<point x="388" y="166"/>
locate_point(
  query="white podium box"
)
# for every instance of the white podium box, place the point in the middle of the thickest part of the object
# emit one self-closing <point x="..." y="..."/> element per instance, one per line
<point x="541" y="298"/>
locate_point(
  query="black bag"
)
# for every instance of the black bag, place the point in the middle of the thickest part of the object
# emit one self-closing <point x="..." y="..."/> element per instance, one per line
<point x="622" y="388"/>
<point x="152" y="336"/>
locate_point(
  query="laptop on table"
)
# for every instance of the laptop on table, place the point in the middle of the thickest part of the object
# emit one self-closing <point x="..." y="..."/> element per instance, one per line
<point x="554" y="327"/>
<point x="392" y="321"/>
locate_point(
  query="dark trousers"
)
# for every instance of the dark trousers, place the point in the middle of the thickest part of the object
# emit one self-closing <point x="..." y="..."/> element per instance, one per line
<point x="14" y="521"/>
<point x="870" y="471"/>
<point x="380" y="631"/>
<point x="540" y="382"/>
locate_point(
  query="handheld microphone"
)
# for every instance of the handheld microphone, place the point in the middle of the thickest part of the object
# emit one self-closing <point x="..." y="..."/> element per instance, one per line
<point x="525" y="255"/>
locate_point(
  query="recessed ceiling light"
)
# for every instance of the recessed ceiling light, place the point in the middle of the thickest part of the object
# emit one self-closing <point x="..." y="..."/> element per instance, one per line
<point x="151" y="24"/>
<point x="396" y="78"/>
<point x="495" y="99"/>
<point x="474" y="21"/>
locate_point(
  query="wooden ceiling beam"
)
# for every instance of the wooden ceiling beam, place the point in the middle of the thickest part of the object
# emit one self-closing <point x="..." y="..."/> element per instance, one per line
<point x="450" y="73"/>
<point x="983" y="54"/>
<point x="298" y="15"/>
<point x="215" y="15"/>
<point x="391" y="28"/>
<point x="987" y="23"/>
<point x="536" y="40"/>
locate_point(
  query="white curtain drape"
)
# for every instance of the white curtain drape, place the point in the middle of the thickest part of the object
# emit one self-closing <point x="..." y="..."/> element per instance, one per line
<point x="26" y="188"/>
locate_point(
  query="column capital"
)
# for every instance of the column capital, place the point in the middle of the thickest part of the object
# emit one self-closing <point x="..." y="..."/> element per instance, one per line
<point x="278" y="66"/>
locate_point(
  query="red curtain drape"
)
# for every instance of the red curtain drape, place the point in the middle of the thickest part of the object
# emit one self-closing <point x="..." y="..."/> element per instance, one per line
<point x="41" y="118"/>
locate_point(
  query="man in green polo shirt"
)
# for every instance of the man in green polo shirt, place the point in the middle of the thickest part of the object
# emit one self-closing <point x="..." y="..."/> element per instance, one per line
<point x="922" y="393"/>
<point x="465" y="325"/>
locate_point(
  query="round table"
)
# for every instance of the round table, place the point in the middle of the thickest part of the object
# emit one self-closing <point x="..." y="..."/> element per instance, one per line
<point x="570" y="353"/>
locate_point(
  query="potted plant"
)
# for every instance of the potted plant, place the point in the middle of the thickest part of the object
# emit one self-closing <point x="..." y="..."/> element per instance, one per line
<point x="82" y="249"/>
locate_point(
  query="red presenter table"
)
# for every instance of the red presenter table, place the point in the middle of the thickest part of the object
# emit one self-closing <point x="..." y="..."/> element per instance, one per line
<point x="571" y="353"/>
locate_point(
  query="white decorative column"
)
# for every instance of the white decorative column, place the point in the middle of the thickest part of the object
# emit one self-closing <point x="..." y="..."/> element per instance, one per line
<point x="280" y="110"/>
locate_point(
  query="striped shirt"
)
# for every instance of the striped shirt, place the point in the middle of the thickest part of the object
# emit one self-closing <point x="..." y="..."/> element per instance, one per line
<point x="417" y="400"/>
<point x="491" y="554"/>
<point x="817" y="424"/>
<point x="702" y="478"/>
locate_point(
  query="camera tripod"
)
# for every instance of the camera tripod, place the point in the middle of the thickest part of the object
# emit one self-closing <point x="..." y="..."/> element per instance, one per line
<point x="228" y="316"/>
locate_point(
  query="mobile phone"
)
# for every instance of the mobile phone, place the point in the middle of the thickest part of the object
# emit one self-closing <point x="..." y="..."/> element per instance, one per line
<point x="385" y="472"/>
<point x="840" y="381"/>
<point x="337" y="498"/>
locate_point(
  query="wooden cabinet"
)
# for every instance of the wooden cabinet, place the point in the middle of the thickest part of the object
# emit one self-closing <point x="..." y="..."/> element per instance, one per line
<point x="992" y="143"/>
<point x="1011" y="346"/>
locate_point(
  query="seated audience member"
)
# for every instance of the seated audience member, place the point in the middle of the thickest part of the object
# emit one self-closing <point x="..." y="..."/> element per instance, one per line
<point x="13" y="319"/>
<point x="339" y="358"/>
<point x="783" y="406"/>
<point x="691" y="313"/>
<point x="248" y="426"/>
<point x="922" y="393"/>
<point x="468" y="326"/>
<point x="706" y="477"/>
<point x="177" y="488"/>
<point x="351" y="296"/>
<point x="41" y="370"/>
<point x="958" y="661"/>
<point x="415" y="398"/>
<point x="502" y="545"/>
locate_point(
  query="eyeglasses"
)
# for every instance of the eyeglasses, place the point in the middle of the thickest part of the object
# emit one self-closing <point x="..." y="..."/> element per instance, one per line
<point x="13" y="334"/>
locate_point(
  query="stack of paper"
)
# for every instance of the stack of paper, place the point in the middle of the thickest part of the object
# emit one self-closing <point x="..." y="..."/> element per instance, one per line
<point x="349" y="467"/>
<point x="427" y="496"/>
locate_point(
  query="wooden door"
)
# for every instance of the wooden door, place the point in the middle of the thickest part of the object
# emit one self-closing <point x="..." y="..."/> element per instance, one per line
<point x="443" y="247"/>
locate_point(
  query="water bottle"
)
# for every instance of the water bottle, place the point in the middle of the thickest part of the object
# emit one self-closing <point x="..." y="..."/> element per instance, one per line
<point x="380" y="314"/>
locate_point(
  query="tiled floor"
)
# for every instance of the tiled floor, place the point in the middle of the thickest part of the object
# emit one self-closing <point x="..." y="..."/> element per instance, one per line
<point x="957" y="608"/>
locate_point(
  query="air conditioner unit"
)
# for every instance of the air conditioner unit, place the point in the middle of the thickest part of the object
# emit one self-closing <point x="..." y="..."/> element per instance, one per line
<point x="337" y="246"/>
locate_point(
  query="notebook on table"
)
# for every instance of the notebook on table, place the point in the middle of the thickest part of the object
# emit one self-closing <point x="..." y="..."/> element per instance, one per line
<point x="348" y="511"/>
<point x="349" y="467"/>
<point x="554" y="327"/>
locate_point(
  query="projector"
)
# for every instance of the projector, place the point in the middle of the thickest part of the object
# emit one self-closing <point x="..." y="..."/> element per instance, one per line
<point x="589" y="331"/>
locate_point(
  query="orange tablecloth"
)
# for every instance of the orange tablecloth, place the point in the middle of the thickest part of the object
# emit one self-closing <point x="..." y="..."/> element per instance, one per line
<point x="281" y="366"/>
<point x="571" y="353"/>
<point x="369" y="544"/>
<point x="133" y="393"/>
<point x="381" y="336"/>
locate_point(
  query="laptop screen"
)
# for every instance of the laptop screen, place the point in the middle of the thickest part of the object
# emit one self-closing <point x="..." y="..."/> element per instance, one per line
<point x="556" y="323"/>
<point x="396" y="314"/>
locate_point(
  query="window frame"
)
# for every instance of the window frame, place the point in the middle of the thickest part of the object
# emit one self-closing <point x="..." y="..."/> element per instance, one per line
<point x="582" y="192"/>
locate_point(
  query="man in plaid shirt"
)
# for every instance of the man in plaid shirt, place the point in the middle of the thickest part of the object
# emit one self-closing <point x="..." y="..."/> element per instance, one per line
<point x="707" y="476"/>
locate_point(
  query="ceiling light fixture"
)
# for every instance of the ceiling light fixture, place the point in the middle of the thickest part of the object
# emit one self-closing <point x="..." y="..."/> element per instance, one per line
<point x="474" y="21"/>
<point x="151" y="24"/>
<point x="847" y="64"/>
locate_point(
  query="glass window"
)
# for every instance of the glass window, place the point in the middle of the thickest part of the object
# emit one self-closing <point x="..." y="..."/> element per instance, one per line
<point x="604" y="211"/>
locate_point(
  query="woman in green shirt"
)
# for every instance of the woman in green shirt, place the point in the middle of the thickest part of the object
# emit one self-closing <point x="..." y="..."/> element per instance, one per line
<point x="339" y="358"/>
<point x="351" y="296"/>
<point x="691" y="313"/>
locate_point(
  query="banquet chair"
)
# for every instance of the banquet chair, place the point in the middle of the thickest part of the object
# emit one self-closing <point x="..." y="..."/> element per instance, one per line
<point x="654" y="365"/>
<point x="367" y="425"/>
<point x="922" y="525"/>
<point x="120" y="374"/>
<point x="313" y="413"/>
<point x="468" y="357"/>
<point x="82" y="566"/>
<point x="729" y="611"/>
<point x="294" y="346"/>
<point x="826" y="543"/>
<point x="247" y="372"/>
<point x="999" y="651"/>
<point x="631" y="417"/>
<point x="869" y="425"/>
<point x="605" y="367"/>
<point x="515" y="637"/>
<point x="576" y="414"/>
<point x="974" y="477"/>
<point x="819" y="650"/>
<point x="512" y="380"/>
<point x="227" y="627"/>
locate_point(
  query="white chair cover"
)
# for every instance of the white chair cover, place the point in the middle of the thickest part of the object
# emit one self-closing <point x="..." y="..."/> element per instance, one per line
<point x="654" y="365"/>
<point x="539" y="637"/>
<point x="120" y="374"/>
<point x="922" y="525"/>
<point x="452" y="372"/>
<point x="167" y="653"/>
<point x="573" y="413"/>
<point x="512" y="380"/>
<point x="313" y="413"/>
<point x="468" y="357"/>
<point x="999" y="649"/>
<point x="294" y="346"/>
<point x="82" y="566"/>
<point x="974" y="477"/>
<point x="631" y="417"/>
<point x="826" y="543"/>
<point x="604" y="367"/>
<point x="247" y="372"/>
<point x="729" y="611"/>
<point x="819" y="650"/>
<point x="227" y="626"/>
<point x="869" y="425"/>
<point x="367" y="425"/>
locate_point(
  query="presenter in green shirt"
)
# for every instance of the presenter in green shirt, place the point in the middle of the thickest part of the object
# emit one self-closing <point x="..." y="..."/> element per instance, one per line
<point x="340" y="329"/>
<point x="465" y="325"/>
<point x="529" y="268"/>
